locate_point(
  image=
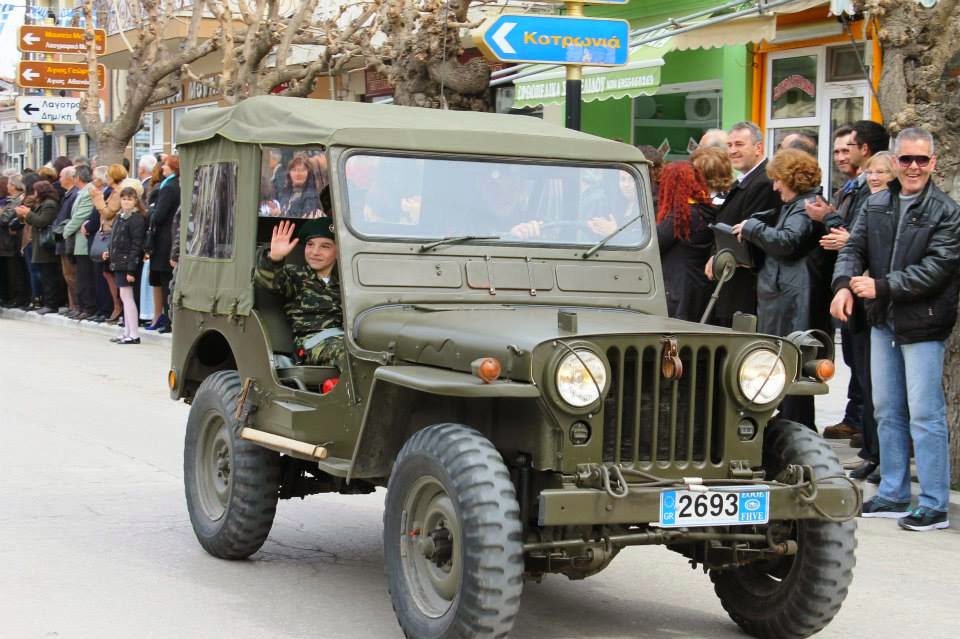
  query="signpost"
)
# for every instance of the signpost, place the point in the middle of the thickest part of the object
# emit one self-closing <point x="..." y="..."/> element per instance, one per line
<point x="45" y="109"/>
<point x="558" y="40"/>
<point x="38" y="38"/>
<point x="571" y="40"/>
<point x="70" y="76"/>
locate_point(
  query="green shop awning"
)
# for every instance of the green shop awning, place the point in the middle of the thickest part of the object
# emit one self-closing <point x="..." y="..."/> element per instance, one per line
<point x="640" y="76"/>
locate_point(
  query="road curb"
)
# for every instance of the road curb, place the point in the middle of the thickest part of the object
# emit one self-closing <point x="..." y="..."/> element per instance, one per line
<point x="85" y="326"/>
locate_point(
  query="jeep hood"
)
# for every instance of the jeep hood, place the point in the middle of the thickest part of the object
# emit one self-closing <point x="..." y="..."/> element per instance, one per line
<point x="452" y="337"/>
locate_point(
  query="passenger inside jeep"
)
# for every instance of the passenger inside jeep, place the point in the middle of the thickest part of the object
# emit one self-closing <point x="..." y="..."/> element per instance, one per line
<point x="309" y="293"/>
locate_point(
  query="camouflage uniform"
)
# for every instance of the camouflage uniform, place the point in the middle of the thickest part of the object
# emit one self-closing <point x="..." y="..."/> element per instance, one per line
<point x="312" y="306"/>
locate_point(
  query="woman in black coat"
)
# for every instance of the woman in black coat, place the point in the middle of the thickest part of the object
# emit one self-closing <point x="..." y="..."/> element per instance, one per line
<point x="161" y="225"/>
<point x="785" y="283"/>
<point x="684" y="213"/>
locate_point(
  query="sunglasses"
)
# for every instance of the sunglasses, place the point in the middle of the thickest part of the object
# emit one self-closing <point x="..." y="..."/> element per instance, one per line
<point x="906" y="160"/>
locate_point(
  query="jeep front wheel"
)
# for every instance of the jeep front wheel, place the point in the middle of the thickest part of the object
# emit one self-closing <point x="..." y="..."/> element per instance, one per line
<point x="796" y="596"/>
<point x="452" y="537"/>
<point x="232" y="485"/>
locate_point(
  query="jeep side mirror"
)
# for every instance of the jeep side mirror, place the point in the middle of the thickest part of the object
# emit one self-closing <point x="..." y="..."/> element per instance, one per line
<point x="724" y="266"/>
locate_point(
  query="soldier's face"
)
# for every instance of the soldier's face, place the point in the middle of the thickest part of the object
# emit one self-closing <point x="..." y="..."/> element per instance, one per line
<point x="320" y="254"/>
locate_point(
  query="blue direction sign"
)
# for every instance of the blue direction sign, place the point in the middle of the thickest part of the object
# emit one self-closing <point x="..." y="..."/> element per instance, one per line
<point x="557" y="40"/>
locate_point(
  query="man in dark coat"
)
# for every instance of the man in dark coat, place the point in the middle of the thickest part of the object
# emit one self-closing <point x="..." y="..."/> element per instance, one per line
<point x="853" y="146"/>
<point x="751" y="193"/>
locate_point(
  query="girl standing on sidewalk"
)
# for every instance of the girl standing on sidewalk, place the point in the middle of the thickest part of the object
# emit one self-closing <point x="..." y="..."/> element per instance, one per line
<point x="125" y="255"/>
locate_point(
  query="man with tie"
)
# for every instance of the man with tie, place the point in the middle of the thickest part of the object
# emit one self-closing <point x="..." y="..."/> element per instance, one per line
<point x="751" y="193"/>
<point x="852" y="146"/>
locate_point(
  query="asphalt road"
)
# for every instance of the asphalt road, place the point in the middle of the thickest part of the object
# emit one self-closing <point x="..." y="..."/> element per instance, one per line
<point x="95" y="540"/>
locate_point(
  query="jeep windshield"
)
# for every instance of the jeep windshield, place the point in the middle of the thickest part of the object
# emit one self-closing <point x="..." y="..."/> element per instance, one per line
<point x="432" y="200"/>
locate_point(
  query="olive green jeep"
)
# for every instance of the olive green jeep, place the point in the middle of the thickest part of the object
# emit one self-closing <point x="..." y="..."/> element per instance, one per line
<point x="511" y="375"/>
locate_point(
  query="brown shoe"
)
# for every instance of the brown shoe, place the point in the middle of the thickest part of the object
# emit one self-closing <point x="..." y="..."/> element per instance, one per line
<point x="856" y="441"/>
<point x="839" y="431"/>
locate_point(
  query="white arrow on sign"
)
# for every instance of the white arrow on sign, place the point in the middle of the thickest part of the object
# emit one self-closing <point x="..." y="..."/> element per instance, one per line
<point x="500" y="37"/>
<point x="30" y="38"/>
<point x="30" y="74"/>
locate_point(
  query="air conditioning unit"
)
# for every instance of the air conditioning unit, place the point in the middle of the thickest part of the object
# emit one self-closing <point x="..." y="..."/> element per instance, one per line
<point x="703" y="106"/>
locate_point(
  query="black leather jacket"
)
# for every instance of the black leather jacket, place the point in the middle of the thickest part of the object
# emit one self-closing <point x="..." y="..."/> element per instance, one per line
<point x="913" y="255"/>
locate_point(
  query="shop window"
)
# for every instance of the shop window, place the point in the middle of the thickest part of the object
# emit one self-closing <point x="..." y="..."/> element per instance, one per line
<point x="156" y="129"/>
<point x="780" y="134"/>
<point x="674" y="121"/>
<point x="212" y="213"/>
<point x="844" y="64"/>
<point x="794" y="85"/>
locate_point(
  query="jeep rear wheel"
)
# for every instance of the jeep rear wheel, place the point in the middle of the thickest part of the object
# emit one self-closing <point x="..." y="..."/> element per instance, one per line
<point x="796" y="596"/>
<point x="231" y="484"/>
<point x="452" y="537"/>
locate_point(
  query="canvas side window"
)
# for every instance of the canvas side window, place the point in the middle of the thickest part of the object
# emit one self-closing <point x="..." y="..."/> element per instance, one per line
<point x="213" y="211"/>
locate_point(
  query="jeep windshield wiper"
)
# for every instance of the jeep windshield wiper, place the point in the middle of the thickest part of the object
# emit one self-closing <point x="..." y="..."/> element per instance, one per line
<point x="599" y="245"/>
<point x="456" y="239"/>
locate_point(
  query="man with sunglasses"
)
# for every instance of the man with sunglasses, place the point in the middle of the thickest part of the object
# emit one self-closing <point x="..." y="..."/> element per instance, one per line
<point x="908" y="238"/>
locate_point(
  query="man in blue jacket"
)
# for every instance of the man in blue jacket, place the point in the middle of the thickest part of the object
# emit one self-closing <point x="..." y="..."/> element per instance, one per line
<point x="908" y="238"/>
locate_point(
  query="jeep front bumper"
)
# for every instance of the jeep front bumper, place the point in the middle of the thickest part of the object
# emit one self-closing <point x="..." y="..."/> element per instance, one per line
<point x="589" y="506"/>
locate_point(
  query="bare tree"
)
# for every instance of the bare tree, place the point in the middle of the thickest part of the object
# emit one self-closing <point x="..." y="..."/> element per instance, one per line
<point x="153" y="74"/>
<point x="260" y="46"/>
<point x="419" y="55"/>
<point x="920" y="86"/>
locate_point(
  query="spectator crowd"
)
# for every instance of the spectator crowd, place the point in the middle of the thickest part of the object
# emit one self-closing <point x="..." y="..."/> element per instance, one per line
<point x="877" y="259"/>
<point x="91" y="242"/>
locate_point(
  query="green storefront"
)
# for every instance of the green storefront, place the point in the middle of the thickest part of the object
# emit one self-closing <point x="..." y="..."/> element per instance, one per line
<point x="696" y="89"/>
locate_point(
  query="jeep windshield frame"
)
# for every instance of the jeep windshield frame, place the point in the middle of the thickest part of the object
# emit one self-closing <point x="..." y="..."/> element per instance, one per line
<point x="423" y="198"/>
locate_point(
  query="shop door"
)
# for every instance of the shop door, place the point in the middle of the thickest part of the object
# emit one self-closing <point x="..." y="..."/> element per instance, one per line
<point x="845" y="103"/>
<point x="800" y="99"/>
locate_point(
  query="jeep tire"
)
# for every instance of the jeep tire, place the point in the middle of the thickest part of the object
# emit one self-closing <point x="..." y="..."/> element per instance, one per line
<point x="231" y="484"/>
<point x="796" y="596"/>
<point x="452" y="537"/>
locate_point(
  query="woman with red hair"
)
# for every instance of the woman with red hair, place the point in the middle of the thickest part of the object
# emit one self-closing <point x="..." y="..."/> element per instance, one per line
<point x="683" y="215"/>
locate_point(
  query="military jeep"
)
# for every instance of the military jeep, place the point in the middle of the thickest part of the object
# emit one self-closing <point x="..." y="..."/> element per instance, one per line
<point x="510" y="376"/>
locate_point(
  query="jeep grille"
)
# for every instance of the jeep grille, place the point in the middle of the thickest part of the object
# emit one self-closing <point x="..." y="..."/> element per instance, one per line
<point x="649" y="419"/>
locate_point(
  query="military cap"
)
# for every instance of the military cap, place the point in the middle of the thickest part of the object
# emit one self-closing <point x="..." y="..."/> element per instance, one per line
<point x="319" y="227"/>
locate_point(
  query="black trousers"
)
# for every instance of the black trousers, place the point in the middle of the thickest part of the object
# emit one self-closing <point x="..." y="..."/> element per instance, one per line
<point x="17" y="279"/>
<point x="54" y="288"/>
<point x="104" y="298"/>
<point x="859" y="363"/>
<point x="86" y="285"/>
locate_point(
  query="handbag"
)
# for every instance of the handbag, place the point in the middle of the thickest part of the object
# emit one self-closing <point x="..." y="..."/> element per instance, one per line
<point x="47" y="238"/>
<point x="100" y="245"/>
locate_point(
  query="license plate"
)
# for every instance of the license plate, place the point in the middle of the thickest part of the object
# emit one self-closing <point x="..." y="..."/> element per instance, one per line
<point x="720" y="506"/>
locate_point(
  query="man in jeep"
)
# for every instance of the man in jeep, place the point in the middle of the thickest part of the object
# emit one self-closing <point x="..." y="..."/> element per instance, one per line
<point x="311" y="293"/>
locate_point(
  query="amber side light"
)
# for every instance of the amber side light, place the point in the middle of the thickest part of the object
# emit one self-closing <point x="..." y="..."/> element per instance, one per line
<point x="487" y="369"/>
<point x="824" y="370"/>
<point x="172" y="379"/>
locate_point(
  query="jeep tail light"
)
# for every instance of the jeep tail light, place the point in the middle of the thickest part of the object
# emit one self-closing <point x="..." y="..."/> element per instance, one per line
<point x="486" y="368"/>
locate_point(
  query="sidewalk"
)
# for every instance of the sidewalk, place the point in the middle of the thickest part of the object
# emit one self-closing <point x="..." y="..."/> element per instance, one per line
<point x="829" y="407"/>
<point x="106" y="329"/>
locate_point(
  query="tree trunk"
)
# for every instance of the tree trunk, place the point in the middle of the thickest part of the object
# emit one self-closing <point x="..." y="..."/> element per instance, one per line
<point x="920" y="86"/>
<point x="423" y="65"/>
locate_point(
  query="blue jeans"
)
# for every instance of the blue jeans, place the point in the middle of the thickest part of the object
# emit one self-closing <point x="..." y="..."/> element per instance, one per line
<point x="909" y="403"/>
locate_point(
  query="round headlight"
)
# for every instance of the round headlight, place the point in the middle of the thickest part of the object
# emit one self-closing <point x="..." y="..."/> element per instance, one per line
<point x="581" y="378"/>
<point x="762" y="376"/>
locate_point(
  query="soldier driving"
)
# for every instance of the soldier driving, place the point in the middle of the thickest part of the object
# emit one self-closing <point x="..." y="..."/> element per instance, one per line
<point x="311" y="293"/>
